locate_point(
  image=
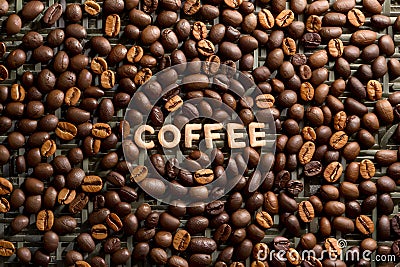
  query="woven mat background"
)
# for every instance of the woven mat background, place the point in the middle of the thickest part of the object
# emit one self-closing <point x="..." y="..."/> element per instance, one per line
<point x="31" y="237"/>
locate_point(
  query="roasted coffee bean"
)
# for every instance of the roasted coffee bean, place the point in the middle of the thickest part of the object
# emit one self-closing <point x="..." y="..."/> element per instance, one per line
<point x="6" y="186"/>
<point x="181" y="240"/>
<point x="66" y="130"/>
<point x="306" y="211"/>
<point x="13" y="24"/>
<point x="367" y="169"/>
<point x="114" y="222"/>
<point x="365" y="225"/>
<point x="306" y="152"/>
<point x="99" y="231"/>
<point x="285" y="18"/>
<point x="79" y="203"/>
<point x="19" y="223"/>
<point x="6" y="248"/>
<point x="53" y="14"/>
<point x="264" y="220"/>
<point x="44" y="220"/>
<point x="333" y="172"/>
<point x="266" y="19"/>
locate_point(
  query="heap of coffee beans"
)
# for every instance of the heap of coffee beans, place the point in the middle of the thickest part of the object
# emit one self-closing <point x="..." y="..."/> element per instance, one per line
<point x="69" y="70"/>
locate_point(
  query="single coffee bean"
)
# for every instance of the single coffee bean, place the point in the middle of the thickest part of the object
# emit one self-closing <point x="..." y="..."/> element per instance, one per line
<point x="365" y="225"/>
<point x="79" y="203"/>
<point x="99" y="231"/>
<point x="181" y="240"/>
<point x="333" y="172"/>
<point x="306" y="211"/>
<point x="44" y="220"/>
<point x="6" y="248"/>
<point x="53" y="14"/>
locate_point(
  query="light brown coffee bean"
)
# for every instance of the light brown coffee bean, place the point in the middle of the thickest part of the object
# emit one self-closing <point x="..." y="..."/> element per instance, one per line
<point x="44" y="220"/>
<point x="113" y="25"/>
<point x="211" y="64"/>
<point x="313" y="23"/>
<point x="340" y="121"/>
<point x="333" y="171"/>
<point x="48" y="148"/>
<point x="260" y="251"/>
<point x="181" y="240"/>
<point x="264" y="219"/>
<point x="99" y="231"/>
<point x="98" y="65"/>
<point x="338" y="140"/>
<point x="199" y="30"/>
<point x="72" y="96"/>
<point x="289" y="46"/>
<point x="285" y="18"/>
<point x="142" y="76"/>
<point x="367" y="169"/>
<point x="4" y="205"/>
<point x="6" y="248"/>
<point x="17" y="92"/>
<point x="139" y="173"/>
<point x="92" y="184"/>
<point x="307" y="91"/>
<point x="101" y="130"/>
<point x="92" y="8"/>
<point x="356" y="17"/>
<point x="65" y="130"/>
<point x="266" y="19"/>
<point x="374" y="90"/>
<point x="335" y="47"/>
<point x="333" y="247"/>
<point x="114" y="222"/>
<point x="205" y="47"/>
<point x="82" y="264"/>
<point x="308" y="133"/>
<point x="204" y="176"/>
<point x="174" y="103"/>
<point x="233" y="3"/>
<point x="265" y="101"/>
<point x="135" y="54"/>
<point x="306" y="152"/>
<point x="65" y="196"/>
<point x="365" y="225"/>
<point x="293" y="257"/>
<point x="107" y="79"/>
<point x="6" y="186"/>
<point x="191" y="7"/>
<point x="306" y="211"/>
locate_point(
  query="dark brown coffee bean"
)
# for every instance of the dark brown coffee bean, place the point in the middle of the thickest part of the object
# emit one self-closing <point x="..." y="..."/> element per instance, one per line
<point x="13" y="24"/>
<point x="14" y="60"/>
<point x="318" y="8"/>
<point x="53" y="14"/>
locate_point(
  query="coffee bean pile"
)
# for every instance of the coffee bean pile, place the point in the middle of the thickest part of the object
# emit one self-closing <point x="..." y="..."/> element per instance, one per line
<point x="69" y="70"/>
